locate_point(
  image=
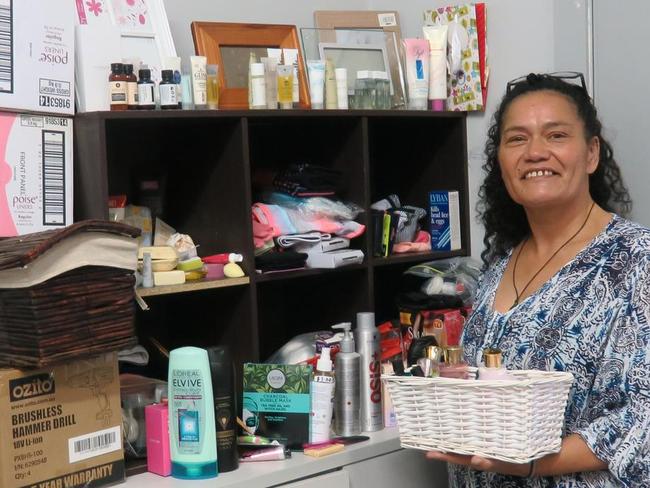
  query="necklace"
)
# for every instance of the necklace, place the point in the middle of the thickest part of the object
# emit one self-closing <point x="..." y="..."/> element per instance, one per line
<point x="518" y="294"/>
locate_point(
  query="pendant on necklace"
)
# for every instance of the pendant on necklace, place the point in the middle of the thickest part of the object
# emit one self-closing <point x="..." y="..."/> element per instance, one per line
<point x="514" y="304"/>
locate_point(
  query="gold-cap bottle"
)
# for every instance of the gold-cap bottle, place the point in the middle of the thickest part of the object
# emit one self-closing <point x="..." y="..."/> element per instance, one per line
<point x="493" y="368"/>
<point x="454" y="367"/>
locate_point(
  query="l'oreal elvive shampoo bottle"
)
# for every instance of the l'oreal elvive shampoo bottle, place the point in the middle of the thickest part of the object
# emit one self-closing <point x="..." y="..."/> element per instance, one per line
<point x="191" y="415"/>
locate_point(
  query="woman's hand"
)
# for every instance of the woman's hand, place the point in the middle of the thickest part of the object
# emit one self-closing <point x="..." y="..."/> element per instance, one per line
<point x="482" y="464"/>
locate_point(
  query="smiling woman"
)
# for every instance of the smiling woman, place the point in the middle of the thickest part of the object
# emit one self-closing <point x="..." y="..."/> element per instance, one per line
<point x="565" y="287"/>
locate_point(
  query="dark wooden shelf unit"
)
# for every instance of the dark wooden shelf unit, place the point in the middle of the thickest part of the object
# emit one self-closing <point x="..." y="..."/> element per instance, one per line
<point x="213" y="165"/>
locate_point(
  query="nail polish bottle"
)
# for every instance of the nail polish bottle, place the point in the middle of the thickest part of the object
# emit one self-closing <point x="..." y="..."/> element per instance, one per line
<point x="454" y="367"/>
<point x="493" y="368"/>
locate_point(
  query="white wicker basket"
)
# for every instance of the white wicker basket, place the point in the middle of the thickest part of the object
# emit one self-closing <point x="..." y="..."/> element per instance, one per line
<point x="511" y="420"/>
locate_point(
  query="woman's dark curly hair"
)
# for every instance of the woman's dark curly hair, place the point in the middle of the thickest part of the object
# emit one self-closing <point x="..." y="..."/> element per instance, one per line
<point x="504" y="220"/>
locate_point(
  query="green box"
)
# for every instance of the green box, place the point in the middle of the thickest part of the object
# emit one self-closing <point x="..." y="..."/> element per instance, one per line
<point x="277" y="402"/>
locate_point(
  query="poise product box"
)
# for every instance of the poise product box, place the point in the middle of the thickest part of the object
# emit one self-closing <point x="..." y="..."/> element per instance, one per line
<point x="37" y="56"/>
<point x="35" y="173"/>
<point x="444" y="220"/>
<point x="61" y="426"/>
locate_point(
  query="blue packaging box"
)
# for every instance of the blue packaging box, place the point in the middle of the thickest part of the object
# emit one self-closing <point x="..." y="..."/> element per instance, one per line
<point x="444" y="220"/>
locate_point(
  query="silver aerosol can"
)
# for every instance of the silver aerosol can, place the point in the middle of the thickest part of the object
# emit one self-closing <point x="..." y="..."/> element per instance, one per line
<point x="367" y="340"/>
<point x="347" y="408"/>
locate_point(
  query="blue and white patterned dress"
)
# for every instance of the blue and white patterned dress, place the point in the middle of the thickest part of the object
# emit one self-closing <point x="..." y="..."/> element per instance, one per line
<point x="592" y="318"/>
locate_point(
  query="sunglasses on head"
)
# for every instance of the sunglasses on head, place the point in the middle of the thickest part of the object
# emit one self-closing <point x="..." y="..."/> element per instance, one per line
<point x="572" y="77"/>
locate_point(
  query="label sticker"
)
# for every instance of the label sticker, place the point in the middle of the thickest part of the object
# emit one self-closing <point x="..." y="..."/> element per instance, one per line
<point x="94" y="444"/>
<point x="387" y="20"/>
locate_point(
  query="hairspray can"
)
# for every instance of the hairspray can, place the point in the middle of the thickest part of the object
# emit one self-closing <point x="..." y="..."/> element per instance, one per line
<point x="346" y="389"/>
<point x="225" y="406"/>
<point x="368" y="346"/>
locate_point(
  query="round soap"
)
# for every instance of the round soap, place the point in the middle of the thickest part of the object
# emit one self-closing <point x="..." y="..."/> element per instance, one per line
<point x="233" y="270"/>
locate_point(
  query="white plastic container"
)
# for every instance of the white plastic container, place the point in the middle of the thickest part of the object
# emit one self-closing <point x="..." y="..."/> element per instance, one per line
<point x="322" y="398"/>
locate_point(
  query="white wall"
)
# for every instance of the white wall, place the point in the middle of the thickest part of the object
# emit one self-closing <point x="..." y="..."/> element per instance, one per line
<point x="621" y="92"/>
<point x="523" y="36"/>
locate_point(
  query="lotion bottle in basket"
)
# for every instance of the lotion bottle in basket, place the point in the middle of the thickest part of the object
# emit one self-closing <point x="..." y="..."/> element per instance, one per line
<point x="492" y="368"/>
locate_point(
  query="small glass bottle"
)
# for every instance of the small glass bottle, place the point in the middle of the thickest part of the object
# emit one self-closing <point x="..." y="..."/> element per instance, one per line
<point x="493" y="368"/>
<point x="117" y="83"/>
<point x="362" y="90"/>
<point x="168" y="90"/>
<point x="454" y="367"/>
<point x="131" y="87"/>
<point x="213" y="86"/>
<point x="146" y="86"/>
<point x="430" y="364"/>
<point x="285" y="86"/>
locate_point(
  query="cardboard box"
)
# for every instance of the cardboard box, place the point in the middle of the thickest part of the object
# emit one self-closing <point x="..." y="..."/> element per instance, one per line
<point x="444" y="220"/>
<point x="37" y="56"/>
<point x="35" y="173"/>
<point x="61" y="426"/>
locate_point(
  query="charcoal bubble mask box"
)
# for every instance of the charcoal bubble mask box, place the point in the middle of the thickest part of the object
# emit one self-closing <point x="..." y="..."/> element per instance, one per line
<point x="36" y="181"/>
<point x="444" y="220"/>
<point x="276" y="402"/>
<point x="37" y="56"/>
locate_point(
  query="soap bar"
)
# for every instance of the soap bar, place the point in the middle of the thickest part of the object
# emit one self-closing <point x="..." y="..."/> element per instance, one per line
<point x="323" y="451"/>
<point x="158" y="252"/>
<point x="190" y="264"/>
<point x="176" y="277"/>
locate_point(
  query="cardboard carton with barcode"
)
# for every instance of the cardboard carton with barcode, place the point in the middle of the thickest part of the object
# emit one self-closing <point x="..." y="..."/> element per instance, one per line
<point x="36" y="180"/>
<point x="37" y="56"/>
<point x="61" y="426"/>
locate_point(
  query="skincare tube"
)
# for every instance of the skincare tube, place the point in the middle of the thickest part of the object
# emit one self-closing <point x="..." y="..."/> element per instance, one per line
<point x="316" y="71"/>
<point x="271" y="76"/>
<point x="437" y="37"/>
<point x="199" y="77"/>
<point x="258" y="86"/>
<point x="186" y="92"/>
<point x="417" y="72"/>
<point x="331" y="101"/>
<point x="341" y="75"/>
<point x="276" y="453"/>
<point x="291" y="58"/>
<point x="285" y="86"/>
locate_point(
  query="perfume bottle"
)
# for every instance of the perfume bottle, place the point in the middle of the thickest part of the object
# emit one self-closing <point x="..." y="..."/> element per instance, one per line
<point x="492" y="368"/>
<point x="430" y="364"/>
<point x="454" y="367"/>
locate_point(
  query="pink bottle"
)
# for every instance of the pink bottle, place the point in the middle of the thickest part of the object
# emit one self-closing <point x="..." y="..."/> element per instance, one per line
<point x="454" y="367"/>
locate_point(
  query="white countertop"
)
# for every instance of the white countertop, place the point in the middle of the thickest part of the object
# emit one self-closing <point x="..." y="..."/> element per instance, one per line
<point x="269" y="473"/>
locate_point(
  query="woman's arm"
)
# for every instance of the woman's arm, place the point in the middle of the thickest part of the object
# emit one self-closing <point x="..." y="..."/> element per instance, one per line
<point x="574" y="457"/>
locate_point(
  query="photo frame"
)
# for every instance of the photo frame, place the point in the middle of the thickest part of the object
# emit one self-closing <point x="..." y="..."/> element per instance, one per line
<point x="356" y="50"/>
<point x="355" y="57"/>
<point x="110" y="31"/>
<point x="380" y="20"/>
<point x="214" y="39"/>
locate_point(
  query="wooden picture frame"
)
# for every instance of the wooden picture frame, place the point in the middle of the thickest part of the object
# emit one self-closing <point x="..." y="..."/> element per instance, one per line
<point x="210" y="37"/>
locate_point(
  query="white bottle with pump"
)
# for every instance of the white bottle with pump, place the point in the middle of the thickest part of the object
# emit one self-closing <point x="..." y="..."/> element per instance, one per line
<point x="347" y="408"/>
<point x="322" y="397"/>
<point x="367" y="339"/>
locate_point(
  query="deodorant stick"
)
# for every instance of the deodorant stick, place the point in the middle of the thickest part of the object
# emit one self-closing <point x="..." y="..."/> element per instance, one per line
<point x="366" y="338"/>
